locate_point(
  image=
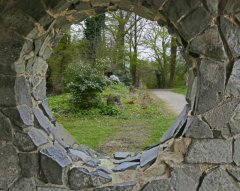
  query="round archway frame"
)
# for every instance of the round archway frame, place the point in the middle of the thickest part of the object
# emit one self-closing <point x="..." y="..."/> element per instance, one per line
<point x="202" y="146"/>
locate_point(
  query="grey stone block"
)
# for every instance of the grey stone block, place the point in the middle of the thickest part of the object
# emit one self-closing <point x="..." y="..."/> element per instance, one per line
<point x="185" y="177"/>
<point x="29" y="163"/>
<point x="54" y="164"/>
<point x="41" y="121"/>
<point x="149" y="156"/>
<point x="23" y="142"/>
<point x="100" y="178"/>
<point x="197" y="128"/>
<point x="155" y="185"/>
<point x="218" y="179"/>
<point x="9" y="165"/>
<point x="127" y="186"/>
<point x="125" y="166"/>
<point x="6" y="128"/>
<point x="38" y="137"/>
<point x="26" y="184"/>
<point x="231" y="33"/>
<point x="235" y="172"/>
<point x="213" y="151"/>
<point x="236" y="151"/>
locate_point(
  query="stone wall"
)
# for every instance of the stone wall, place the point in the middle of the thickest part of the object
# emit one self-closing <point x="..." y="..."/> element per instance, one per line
<point x="201" y="151"/>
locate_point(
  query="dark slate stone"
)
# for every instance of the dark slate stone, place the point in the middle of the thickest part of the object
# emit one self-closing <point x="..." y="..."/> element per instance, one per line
<point x="155" y="185"/>
<point x="92" y="162"/>
<point x="37" y="137"/>
<point x="231" y="33"/>
<point x="118" y="187"/>
<point x="197" y="128"/>
<point x="185" y="177"/>
<point x="39" y="92"/>
<point x="41" y="120"/>
<point x="29" y="163"/>
<point x="176" y="9"/>
<point x="219" y="117"/>
<point x="173" y="131"/>
<point x="79" y="178"/>
<point x="126" y="166"/>
<point x="88" y="151"/>
<point x="235" y="172"/>
<point x="129" y="159"/>
<point x="46" y="109"/>
<point x="99" y="178"/>
<point x="63" y="136"/>
<point x="209" y="44"/>
<point x="23" y="142"/>
<point x="218" y="179"/>
<point x="233" y="86"/>
<point x="214" y="151"/>
<point x="194" y="23"/>
<point x="236" y="150"/>
<point x="22" y="92"/>
<point x="9" y="165"/>
<point x="78" y="155"/>
<point x="210" y="87"/>
<point x="54" y="163"/>
<point x="6" y="128"/>
<point x="105" y="170"/>
<point x="121" y="155"/>
<point x="21" y="115"/>
<point x="7" y="94"/>
<point x="149" y="156"/>
<point x="229" y="7"/>
<point x="26" y="184"/>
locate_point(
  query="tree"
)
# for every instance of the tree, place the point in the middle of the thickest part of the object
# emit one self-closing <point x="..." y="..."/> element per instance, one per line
<point x="173" y="61"/>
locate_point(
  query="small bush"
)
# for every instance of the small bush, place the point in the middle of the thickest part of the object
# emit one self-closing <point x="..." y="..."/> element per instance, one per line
<point x="85" y="85"/>
<point x="110" y="110"/>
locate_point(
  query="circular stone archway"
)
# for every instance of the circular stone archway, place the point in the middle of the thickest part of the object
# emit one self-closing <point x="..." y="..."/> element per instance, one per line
<point x="199" y="152"/>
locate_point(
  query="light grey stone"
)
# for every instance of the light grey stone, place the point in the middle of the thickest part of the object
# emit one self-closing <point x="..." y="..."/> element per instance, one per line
<point x="92" y="162"/>
<point x="218" y="179"/>
<point x="9" y="165"/>
<point x="78" y="155"/>
<point x="210" y="87"/>
<point x="234" y="123"/>
<point x="185" y="177"/>
<point x="233" y="86"/>
<point x="209" y="44"/>
<point x="38" y="137"/>
<point x="155" y="185"/>
<point x="121" y="155"/>
<point x="197" y="128"/>
<point x="125" y="166"/>
<point x="63" y="136"/>
<point x="219" y="117"/>
<point x="105" y="170"/>
<point x="54" y="164"/>
<point x="41" y="121"/>
<point x="236" y="151"/>
<point x="231" y="33"/>
<point x="87" y="150"/>
<point x="214" y="151"/>
<point x="51" y="188"/>
<point x="235" y="172"/>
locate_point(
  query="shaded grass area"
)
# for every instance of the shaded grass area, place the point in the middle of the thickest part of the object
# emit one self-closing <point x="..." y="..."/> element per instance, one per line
<point x="142" y="118"/>
<point x="180" y="89"/>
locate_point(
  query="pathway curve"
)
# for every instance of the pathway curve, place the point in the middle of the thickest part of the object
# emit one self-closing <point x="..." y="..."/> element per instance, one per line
<point x="175" y="101"/>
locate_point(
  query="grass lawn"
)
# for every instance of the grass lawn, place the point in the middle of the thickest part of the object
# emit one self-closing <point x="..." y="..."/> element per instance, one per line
<point x="180" y="89"/>
<point x="140" y="122"/>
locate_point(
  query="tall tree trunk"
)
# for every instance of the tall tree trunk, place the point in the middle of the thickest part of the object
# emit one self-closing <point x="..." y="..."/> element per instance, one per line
<point x="173" y="61"/>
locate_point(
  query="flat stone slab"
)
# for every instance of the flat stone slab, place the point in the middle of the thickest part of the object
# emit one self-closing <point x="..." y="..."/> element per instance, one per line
<point x="213" y="151"/>
<point x="129" y="159"/>
<point x="121" y="155"/>
<point x="126" y="166"/>
<point x="149" y="156"/>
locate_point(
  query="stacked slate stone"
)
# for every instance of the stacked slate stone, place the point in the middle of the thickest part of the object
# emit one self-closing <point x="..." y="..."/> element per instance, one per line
<point x="201" y="151"/>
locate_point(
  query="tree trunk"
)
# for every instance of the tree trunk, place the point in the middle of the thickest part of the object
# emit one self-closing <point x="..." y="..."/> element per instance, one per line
<point x="173" y="61"/>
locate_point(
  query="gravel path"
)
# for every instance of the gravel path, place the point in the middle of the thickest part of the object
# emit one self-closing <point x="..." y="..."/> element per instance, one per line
<point x="175" y="101"/>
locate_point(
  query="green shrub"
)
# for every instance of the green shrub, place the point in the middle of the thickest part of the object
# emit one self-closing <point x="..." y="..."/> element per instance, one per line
<point x="85" y="85"/>
<point x="110" y="110"/>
